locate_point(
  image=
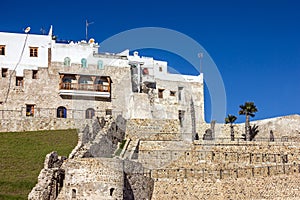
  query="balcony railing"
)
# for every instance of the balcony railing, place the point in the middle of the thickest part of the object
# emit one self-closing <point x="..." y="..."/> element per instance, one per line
<point x="105" y="87"/>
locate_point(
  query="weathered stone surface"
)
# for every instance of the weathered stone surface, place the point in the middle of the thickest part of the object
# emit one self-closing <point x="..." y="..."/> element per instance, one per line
<point x="50" y="180"/>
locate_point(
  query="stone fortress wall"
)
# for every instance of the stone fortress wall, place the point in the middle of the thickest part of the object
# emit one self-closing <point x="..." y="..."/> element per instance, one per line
<point x="140" y="140"/>
<point x="168" y="167"/>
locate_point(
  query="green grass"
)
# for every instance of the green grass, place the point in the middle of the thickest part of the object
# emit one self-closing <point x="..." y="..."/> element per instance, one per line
<point x="22" y="156"/>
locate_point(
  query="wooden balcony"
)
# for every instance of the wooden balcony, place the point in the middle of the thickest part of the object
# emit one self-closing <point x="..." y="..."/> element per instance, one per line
<point x="76" y="89"/>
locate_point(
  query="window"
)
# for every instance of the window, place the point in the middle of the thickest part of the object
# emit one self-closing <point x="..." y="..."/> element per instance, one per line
<point x="61" y="112"/>
<point x="172" y="93"/>
<point x="180" y="93"/>
<point x="4" y="72"/>
<point x="100" y="64"/>
<point x="83" y="63"/>
<point x="73" y="193"/>
<point x="160" y="93"/>
<point x="19" y="81"/>
<point x="89" y="113"/>
<point x="34" y="74"/>
<point x="108" y="112"/>
<point x="145" y="71"/>
<point x="181" y="117"/>
<point x="160" y="69"/>
<point x="2" y="50"/>
<point x="33" y="51"/>
<point x="111" y="191"/>
<point x="67" y="62"/>
<point x="29" y="110"/>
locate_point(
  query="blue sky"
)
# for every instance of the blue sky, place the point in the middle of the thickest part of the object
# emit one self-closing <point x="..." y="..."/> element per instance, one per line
<point x="255" y="44"/>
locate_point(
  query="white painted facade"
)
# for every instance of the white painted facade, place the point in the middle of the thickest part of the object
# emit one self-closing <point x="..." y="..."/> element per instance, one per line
<point x="17" y="51"/>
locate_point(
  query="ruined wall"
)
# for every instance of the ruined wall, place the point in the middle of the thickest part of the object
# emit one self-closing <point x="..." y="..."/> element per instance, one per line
<point x="50" y="180"/>
<point x="105" y="178"/>
<point x="93" y="178"/>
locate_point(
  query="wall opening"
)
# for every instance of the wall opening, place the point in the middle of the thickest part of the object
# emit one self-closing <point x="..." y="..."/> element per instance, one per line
<point x="181" y="117"/>
<point x="34" y="74"/>
<point x="89" y="113"/>
<point x="134" y="78"/>
<point x="29" y="110"/>
<point x="4" y="72"/>
<point x="83" y="63"/>
<point x="111" y="191"/>
<point x="2" y="50"/>
<point x="67" y="62"/>
<point x="180" y="93"/>
<point x="160" y="93"/>
<point x="19" y="81"/>
<point x="33" y="51"/>
<point x="100" y="64"/>
<point x="61" y="112"/>
<point x="74" y="193"/>
<point x="108" y="112"/>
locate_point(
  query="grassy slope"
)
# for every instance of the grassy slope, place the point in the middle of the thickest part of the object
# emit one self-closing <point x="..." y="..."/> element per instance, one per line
<point x="22" y="157"/>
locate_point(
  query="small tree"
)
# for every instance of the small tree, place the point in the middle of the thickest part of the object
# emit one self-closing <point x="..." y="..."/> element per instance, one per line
<point x="230" y="119"/>
<point x="248" y="109"/>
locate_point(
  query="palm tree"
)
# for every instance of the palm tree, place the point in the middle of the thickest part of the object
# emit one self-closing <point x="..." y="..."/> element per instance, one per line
<point x="248" y="109"/>
<point x="253" y="131"/>
<point x="230" y="119"/>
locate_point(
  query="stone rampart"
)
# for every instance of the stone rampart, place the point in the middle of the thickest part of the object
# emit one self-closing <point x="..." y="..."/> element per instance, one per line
<point x="269" y="187"/>
<point x="153" y="129"/>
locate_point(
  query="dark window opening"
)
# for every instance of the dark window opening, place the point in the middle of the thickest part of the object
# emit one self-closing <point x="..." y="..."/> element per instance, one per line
<point x="180" y="91"/>
<point x="2" y="50"/>
<point x="145" y="71"/>
<point x="160" y="69"/>
<point x="111" y="191"/>
<point x="181" y="117"/>
<point x="33" y="51"/>
<point x="61" y="112"/>
<point x="172" y="93"/>
<point x="34" y="74"/>
<point x="73" y="193"/>
<point x="160" y="93"/>
<point x="29" y="110"/>
<point x="108" y="111"/>
<point x="89" y="113"/>
<point x="19" y="81"/>
<point x="4" y="72"/>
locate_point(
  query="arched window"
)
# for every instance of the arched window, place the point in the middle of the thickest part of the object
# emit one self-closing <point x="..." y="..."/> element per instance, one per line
<point x="61" y="112"/>
<point x="67" y="62"/>
<point x="100" y="64"/>
<point x="83" y="63"/>
<point x="89" y="113"/>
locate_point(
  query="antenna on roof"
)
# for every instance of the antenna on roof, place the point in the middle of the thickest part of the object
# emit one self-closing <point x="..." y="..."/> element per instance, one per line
<point x="200" y="55"/>
<point x="50" y="31"/>
<point x="27" y="29"/>
<point x="86" y="29"/>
